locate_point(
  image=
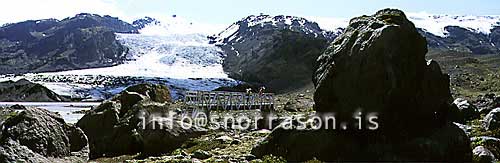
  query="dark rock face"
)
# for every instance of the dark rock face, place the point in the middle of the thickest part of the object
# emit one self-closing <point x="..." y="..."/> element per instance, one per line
<point x="464" y="40"/>
<point x="495" y="36"/>
<point x="378" y="66"/>
<point x="42" y="134"/>
<point x="124" y="124"/>
<point x="24" y="90"/>
<point x="273" y="53"/>
<point x="433" y="41"/>
<point x="86" y="20"/>
<point x="141" y="23"/>
<point x="83" y="41"/>
<point x="476" y="43"/>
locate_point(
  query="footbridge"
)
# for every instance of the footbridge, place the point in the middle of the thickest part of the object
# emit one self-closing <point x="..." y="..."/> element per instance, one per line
<point x="220" y="100"/>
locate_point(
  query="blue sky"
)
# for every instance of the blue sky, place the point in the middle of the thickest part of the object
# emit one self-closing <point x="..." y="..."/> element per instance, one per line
<point x="228" y="11"/>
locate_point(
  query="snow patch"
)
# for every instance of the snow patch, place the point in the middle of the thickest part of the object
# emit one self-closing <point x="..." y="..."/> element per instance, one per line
<point x="435" y="24"/>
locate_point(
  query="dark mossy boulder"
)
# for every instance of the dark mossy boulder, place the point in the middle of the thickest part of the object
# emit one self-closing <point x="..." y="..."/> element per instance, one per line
<point x="106" y="134"/>
<point x="377" y="68"/>
<point x="37" y="134"/>
<point x="122" y="125"/>
<point x="445" y="144"/>
<point x="378" y="65"/>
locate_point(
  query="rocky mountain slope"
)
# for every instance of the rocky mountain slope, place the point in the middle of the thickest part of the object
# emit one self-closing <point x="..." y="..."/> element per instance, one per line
<point x="83" y="41"/>
<point x="24" y="90"/>
<point x="278" y="52"/>
<point x="464" y="40"/>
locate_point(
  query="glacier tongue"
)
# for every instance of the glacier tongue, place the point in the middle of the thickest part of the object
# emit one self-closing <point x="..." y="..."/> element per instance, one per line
<point x="179" y="56"/>
<point x="183" y="61"/>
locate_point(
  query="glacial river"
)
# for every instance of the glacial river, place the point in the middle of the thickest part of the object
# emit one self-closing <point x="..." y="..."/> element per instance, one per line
<point x="65" y="109"/>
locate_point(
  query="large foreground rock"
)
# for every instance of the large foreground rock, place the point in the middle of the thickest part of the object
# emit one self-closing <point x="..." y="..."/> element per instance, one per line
<point x="445" y="144"/>
<point x="378" y="67"/>
<point x="37" y="135"/>
<point x="122" y="125"/>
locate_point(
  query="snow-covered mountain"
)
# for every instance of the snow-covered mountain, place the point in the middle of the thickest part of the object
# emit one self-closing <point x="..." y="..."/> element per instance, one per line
<point x="276" y="51"/>
<point x="248" y="26"/>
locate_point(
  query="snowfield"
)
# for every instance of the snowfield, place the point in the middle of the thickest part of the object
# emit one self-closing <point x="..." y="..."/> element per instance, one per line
<point x="435" y="23"/>
<point x="431" y="23"/>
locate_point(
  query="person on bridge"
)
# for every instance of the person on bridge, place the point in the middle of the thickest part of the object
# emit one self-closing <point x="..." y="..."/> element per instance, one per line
<point x="249" y="90"/>
<point x="262" y="90"/>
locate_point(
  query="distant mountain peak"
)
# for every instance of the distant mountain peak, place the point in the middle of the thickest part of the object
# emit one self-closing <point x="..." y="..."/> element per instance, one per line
<point x="265" y="22"/>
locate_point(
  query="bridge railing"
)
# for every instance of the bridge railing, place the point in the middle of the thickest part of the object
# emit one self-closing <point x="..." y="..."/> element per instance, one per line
<point x="219" y="100"/>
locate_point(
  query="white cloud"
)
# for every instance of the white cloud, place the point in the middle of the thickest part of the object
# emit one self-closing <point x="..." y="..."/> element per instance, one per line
<point x="19" y="10"/>
<point x="179" y="25"/>
<point x="329" y="23"/>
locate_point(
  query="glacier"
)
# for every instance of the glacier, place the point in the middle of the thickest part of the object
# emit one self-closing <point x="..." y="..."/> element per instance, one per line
<point x="177" y="54"/>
